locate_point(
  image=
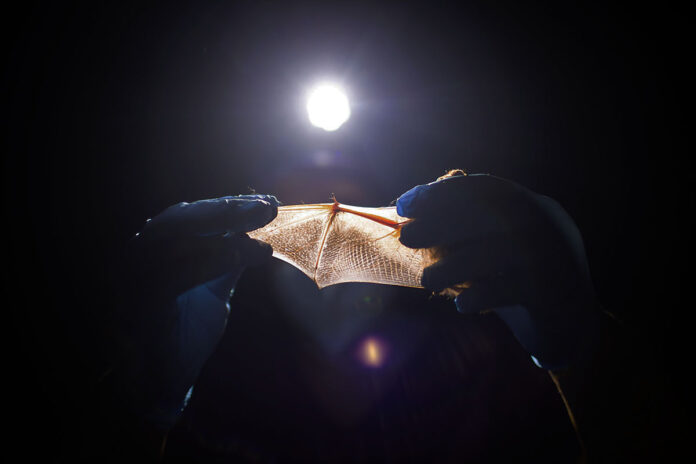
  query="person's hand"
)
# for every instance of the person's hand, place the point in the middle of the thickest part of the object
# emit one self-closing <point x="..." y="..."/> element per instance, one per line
<point x="518" y="252"/>
<point x="182" y="269"/>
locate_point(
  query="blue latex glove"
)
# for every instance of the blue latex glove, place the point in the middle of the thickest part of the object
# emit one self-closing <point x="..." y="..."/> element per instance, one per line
<point x="184" y="266"/>
<point x="520" y="252"/>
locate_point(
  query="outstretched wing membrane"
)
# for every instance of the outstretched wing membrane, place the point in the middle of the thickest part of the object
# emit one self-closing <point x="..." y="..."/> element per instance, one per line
<point x="333" y="243"/>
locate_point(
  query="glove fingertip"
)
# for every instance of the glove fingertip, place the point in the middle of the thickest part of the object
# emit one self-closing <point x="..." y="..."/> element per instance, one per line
<point x="257" y="213"/>
<point x="271" y="199"/>
<point x="405" y="203"/>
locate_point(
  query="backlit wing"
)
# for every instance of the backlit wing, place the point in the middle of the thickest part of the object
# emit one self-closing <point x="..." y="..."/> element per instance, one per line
<point x="333" y="243"/>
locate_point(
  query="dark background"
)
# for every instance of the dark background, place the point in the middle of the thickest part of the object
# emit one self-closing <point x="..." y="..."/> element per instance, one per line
<point x="112" y="113"/>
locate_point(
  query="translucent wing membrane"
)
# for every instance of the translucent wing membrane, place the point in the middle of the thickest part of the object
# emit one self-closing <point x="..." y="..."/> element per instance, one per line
<point x="333" y="243"/>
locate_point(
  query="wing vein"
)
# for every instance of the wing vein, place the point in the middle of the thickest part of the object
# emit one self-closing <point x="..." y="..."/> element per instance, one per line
<point x="323" y="240"/>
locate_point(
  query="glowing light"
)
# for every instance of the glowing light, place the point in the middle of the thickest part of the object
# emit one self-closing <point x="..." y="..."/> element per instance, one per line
<point x="328" y="107"/>
<point x="372" y="352"/>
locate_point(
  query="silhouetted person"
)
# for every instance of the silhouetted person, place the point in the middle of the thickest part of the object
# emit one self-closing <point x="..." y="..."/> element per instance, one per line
<point x="518" y="254"/>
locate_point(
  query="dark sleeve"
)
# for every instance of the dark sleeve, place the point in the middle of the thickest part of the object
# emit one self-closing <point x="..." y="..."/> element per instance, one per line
<point x="619" y="399"/>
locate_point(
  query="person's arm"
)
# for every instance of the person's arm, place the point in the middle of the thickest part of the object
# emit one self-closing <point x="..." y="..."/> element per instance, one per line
<point x="518" y="254"/>
<point x="171" y="304"/>
<point x="615" y="397"/>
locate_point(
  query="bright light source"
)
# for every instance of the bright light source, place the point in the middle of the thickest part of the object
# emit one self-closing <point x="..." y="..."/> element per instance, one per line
<point x="327" y="107"/>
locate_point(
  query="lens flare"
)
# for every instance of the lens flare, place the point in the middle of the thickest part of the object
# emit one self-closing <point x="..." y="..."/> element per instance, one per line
<point x="372" y="352"/>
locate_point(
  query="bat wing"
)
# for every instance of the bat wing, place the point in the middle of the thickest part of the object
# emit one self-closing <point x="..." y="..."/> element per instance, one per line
<point x="333" y="243"/>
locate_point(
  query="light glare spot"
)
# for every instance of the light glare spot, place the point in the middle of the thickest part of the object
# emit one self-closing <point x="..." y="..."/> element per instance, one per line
<point x="328" y="107"/>
<point x="372" y="352"/>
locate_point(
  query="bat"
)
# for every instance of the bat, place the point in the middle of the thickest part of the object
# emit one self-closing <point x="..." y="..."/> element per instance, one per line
<point x="334" y="243"/>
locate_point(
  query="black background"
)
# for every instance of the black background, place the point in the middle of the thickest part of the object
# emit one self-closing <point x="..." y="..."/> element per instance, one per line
<point x="112" y="113"/>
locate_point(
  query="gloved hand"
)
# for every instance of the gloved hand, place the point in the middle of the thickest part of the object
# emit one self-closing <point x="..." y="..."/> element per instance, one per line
<point x="519" y="252"/>
<point x="183" y="268"/>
